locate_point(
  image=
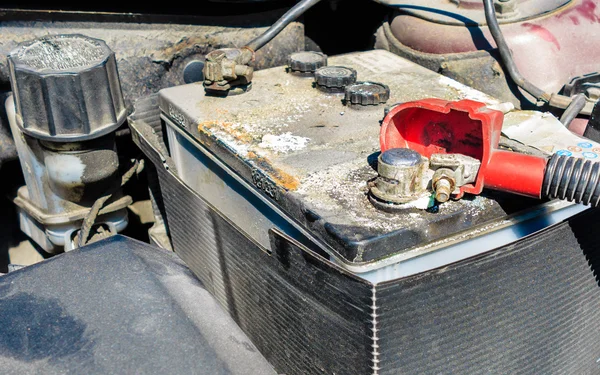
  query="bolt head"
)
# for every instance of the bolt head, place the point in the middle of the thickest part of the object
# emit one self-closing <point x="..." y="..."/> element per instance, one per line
<point x="506" y="8"/>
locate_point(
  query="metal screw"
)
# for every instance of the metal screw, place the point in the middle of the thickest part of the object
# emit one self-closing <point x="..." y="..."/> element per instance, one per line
<point x="443" y="189"/>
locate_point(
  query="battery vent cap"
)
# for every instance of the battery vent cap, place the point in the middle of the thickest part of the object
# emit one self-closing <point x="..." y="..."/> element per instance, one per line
<point x="66" y="88"/>
<point x="307" y="61"/>
<point x="334" y="78"/>
<point x="367" y="93"/>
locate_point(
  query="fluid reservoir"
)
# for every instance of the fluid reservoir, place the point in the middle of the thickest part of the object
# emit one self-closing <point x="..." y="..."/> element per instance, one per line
<point x="66" y="88"/>
<point x="66" y="104"/>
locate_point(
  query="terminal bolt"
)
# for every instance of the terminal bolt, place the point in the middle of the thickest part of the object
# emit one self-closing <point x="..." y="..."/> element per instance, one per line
<point x="228" y="69"/>
<point x="401" y="176"/>
<point x="443" y="184"/>
<point x="452" y="171"/>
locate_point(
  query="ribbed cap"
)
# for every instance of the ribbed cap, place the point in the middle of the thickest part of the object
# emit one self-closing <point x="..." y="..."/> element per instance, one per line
<point x="367" y="93"/>
<point x="335" y="77"/>
<point x="66" y="88"/>
<point x="307" y="62"/>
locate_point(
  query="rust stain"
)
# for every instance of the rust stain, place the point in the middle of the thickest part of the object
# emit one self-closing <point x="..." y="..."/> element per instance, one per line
<point x="279" y="177"/>
<point x="276" y="175"/>
<point x="237" y="132"/>
<point x="169" y="54"/>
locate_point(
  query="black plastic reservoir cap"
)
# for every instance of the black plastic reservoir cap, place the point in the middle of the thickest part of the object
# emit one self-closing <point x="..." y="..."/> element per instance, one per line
<point x="367" y="93"/>
<point x="307" y="61"/>
<point x="334" y="78"/>
<point x="66" y="88"/>
<point x="401" y="157"/>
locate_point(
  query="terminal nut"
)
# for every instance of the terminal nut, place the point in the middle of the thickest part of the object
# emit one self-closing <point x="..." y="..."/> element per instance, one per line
<point x="506" y="8"/>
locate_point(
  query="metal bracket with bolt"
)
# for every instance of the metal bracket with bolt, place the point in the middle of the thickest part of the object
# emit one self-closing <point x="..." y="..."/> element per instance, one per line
<point x="405" y="175"/>
<point x="452" y="171"/>
<point x="228" y="69"/>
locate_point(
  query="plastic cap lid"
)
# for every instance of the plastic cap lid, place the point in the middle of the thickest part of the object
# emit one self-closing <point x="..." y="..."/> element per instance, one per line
<point x="367" y="93"/>
<point x="307" y="62"/>
<point x="337" y="77"/>
<point x="66" y="88"/>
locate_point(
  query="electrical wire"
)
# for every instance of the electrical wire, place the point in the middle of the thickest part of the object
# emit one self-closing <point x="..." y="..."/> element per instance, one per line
<point x="90" y="219"/>
<point x="291" y="15"/>
<point x="577" y="104"/>
<point x="505" y="54"/>
<point x="555" y="100"/>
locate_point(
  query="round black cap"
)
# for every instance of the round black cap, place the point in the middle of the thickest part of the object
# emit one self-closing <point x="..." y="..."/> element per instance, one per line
<point x="334" y="78"/>
<point x="367" y="93"/>
<point x="307" y="62"/>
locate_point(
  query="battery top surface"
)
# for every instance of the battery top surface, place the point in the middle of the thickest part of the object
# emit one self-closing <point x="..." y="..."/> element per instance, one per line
<point x="313" y="155"/>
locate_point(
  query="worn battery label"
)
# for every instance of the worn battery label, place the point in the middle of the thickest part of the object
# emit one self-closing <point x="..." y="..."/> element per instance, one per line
<point x="380" y="61"/>
<point x="546" y="133"/>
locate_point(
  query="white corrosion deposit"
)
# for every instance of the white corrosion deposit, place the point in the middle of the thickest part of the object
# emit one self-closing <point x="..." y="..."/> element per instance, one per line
<point x="283" y="143"/>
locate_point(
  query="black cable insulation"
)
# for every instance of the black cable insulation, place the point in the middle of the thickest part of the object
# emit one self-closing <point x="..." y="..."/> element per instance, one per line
<point x="506" y="55"/>
<point x="572" y="179"/>
<point x="573" y="110"/>
<point x="291" y="15"/>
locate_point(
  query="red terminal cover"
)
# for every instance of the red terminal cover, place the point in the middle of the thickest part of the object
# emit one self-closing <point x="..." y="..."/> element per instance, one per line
<point x="435" y="126"/>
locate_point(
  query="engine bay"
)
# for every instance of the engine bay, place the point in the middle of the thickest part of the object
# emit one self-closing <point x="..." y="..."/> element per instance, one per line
<point x="406" y="201"/>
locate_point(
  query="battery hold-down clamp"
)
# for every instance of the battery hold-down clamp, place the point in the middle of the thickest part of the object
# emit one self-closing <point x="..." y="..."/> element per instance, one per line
<point x="461" y="142"/>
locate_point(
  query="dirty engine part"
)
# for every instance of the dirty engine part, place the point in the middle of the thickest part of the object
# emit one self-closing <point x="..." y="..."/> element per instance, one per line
<point x="267" y="199"/>
<point x="65" y="107"/>
<point x="544" y="37"/>
<point x="312" y="155"/>
<point x="228" y="71"/>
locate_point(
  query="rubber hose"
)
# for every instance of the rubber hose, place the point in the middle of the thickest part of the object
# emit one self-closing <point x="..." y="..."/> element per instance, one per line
<point x="573" y="110"/>
<point x="290" y="16"/>
<point x="572" y="179"/>
<point x="505" y="54"/>
<point x="555" y="100"/>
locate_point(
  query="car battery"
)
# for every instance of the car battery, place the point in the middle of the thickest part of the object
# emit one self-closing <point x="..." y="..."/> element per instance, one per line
<point x="266" y="197"/>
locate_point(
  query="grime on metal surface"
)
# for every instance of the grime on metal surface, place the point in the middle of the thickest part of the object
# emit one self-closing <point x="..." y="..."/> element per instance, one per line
<point x="314" y="156"/>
